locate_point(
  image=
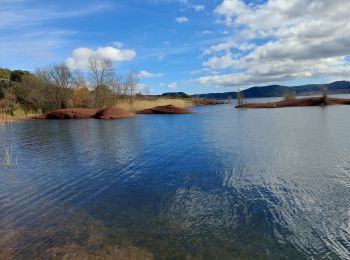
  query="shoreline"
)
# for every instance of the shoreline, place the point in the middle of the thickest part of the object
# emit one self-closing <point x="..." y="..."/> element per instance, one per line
<point x="86" y="113"/>
<point x="11" y="119"/>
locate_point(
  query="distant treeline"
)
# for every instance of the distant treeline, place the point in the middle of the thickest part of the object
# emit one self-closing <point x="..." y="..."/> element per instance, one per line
<point x="57" y="86"/>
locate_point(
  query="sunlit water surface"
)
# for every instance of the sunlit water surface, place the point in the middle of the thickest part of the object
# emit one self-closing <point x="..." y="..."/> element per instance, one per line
<point x="218" y="184"/>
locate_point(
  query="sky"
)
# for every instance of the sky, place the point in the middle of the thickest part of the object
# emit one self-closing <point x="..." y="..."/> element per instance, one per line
<point x="194" y="46"/>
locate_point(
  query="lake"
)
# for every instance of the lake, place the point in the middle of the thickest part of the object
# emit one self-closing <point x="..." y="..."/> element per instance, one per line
<point x="220" y="183"/>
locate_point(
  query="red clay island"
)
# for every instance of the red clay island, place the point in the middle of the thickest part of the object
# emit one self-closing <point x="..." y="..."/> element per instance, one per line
<point x="169" y="109"/>
<point x="107" y="113"/>
<point x="112" y="113"/>
<point x="86" y="113"/>
<point x="302" y="102"/>
<point x="71" y="113"/>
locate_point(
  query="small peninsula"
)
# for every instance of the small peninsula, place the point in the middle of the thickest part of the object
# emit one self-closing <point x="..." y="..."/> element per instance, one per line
<point x="300" y="102"/>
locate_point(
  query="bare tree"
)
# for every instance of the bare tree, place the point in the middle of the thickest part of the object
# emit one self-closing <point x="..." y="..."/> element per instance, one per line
<point x="81" y="93"/>
<point x="51" y="90"/>
<point x="40" y="92"/>
<point x="102" y="75"/>
<point x="60" y="77"/>
<point x="324" y="98"/>
<point x="240" y="97"/>
<point x="80" y="79"/>
<point x="116" y="86"/>
<point x="289" y="95"/>
<point x="130" y="85"/>
<point x="229" y="99"/>
<point x="146" y="91"/>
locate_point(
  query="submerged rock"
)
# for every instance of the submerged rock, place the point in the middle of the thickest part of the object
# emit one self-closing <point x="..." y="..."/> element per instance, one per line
<point x="169" y="109"/>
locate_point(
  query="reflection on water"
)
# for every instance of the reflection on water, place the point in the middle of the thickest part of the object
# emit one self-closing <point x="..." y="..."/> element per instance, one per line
<point x="217" y="184"/>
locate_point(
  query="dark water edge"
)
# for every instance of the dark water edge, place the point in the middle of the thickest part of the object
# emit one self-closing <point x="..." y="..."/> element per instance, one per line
<point x="218" y="184"/>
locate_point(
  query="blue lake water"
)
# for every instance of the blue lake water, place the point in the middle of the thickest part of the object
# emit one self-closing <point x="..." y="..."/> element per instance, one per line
<point x="217" y="184"/>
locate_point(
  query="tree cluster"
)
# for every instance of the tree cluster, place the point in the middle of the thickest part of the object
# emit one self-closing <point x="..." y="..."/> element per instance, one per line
<point x="57" y="86"/>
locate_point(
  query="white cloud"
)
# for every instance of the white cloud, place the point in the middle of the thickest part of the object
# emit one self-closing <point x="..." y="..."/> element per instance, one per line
<point x="222" y="62"/>
<point x="205" y="70"/>
<point x="296" y="39"/>
<point x="198" y="8"/>
<point x="189" y="5"/>
<point x="277" y="71"/>
<point x="181" y="19"/>
<point x="17" y="14"/>
<point x="146" y="75"/>
<point x="80" y="56"/>
<point x="227" y="45"/>
<point x="207" y="32"/>
<point x="194" y="72"/>
<point x="172" y="85"/>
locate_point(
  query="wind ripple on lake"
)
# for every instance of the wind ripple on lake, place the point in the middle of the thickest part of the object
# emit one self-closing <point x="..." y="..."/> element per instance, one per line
<point x="246" y="184"/>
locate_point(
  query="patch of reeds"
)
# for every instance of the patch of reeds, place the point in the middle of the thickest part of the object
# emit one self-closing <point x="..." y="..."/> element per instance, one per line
<point x="6" y="141"/>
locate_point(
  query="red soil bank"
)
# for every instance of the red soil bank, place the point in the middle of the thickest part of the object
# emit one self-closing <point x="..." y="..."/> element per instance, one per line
<point x="71" y="113"/>
<point x="303" y="102"/>
<point x="112" y="113"/>
<point x="169" y="109"/>
<point x="86" y="113"/>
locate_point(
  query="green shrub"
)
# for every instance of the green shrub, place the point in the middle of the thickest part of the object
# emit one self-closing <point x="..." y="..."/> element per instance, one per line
<point x="19" y="112"/>
<point x="5" y="73"/>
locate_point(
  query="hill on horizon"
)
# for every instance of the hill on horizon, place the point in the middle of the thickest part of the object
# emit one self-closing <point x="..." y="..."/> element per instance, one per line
<point x="337" y="87"/>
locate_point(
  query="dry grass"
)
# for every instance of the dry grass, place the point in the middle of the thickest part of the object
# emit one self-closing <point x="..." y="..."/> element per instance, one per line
<point x="4" y="118"/>
<point x="138" y="104"/>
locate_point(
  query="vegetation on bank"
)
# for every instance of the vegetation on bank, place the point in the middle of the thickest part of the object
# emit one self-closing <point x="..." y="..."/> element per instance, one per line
<point x="54" y="87"/>
<point x="57" y="87"/>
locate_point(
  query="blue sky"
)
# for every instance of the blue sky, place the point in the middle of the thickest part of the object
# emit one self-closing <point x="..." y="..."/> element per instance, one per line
<point x="183" y="45"/>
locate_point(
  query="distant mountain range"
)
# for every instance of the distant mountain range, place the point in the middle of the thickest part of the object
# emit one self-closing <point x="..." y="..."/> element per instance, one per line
<point x="338" y="87"/>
